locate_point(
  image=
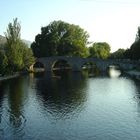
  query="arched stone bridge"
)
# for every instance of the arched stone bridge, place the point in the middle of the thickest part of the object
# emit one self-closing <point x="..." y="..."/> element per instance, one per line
<point x="76" y="63"/>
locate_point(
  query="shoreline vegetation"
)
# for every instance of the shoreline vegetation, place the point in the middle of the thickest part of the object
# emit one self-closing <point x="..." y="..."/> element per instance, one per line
<point x="15" y="55"/>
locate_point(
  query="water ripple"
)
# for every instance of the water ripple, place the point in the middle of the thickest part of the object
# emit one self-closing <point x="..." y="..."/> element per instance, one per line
<point x="15" y="123"/>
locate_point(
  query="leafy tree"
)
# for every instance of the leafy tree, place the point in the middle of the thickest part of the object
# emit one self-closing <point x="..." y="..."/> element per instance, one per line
<point x="3" y="61"/>
<point x="60" y="38"/>
<point x="100" y="50"/>
<point x="15" y="50"/>
<point x="2" y="40"/>
<point x="137" y="35"/>
<point x="135" y="47"/>
<point x="13" y="46"/>
<point x="135" y="50"/>
<point x="127" y="54"/>
<point x="119" y="54"/>
<point x="28" y="58"/>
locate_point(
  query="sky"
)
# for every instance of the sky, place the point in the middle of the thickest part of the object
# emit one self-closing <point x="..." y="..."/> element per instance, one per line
<point x="113" y="21"/>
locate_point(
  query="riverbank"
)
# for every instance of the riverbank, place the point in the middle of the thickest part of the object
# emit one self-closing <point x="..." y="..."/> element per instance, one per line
<point x="7" y="77"/>
<point x="134" y="74"/>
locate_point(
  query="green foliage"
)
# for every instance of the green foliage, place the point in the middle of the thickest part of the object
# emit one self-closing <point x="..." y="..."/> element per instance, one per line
<point x="28" y="58"/>
<point x="100" y="50"/>
<point x="119" y="54"/>
<point x="127" y="54"/>
<point x="13" y="32"/>
<point x="138" y="35"/>
<point x="14" y="46"/>
<point x="15" y="56"/>
<point x="2" y="40"/>
<point x="3" y="61"/>
<point x="134" y="51"/>
<point x="60" y="38"/>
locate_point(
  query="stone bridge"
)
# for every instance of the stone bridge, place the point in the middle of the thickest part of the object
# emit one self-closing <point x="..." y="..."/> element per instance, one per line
<point x="76" y="63"/>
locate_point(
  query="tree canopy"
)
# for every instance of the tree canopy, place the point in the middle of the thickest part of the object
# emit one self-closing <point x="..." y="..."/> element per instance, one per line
<point x="99" y="50"/>
<point x="3" y="61"/>
<point x="60" y="38"/>
<point x="119" y="54"/>
<point x="15" y="53"/>
<point x="135" y="47"/>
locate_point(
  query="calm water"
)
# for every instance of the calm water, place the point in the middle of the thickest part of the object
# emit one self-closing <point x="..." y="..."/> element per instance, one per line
<point x="72" y="107"/>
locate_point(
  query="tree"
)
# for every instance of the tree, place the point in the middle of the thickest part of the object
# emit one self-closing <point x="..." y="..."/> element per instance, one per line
<point x="137" y="35"/>
<point x="99" y="50"/>
<point x="3" y="61"/>
<point x="60" y="38"/>
<point x="119" y="54"/>
<point x="28" y="58"/>
<point x="127" y="54"/>
<point x="13" y="46"/>
<point x="135" y="50"/>
<point x="15" y="49"/>
<point x="135" y="47"/>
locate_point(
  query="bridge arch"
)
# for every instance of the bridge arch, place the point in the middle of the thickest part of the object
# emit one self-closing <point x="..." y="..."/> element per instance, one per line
<point x="61" y="64"/>
<point x="114" y="69"/>
<point x="76" y="63"/>
<point x="90" y="67"/>
<point x="116" y="65"/>
<point x="38" y="67"/>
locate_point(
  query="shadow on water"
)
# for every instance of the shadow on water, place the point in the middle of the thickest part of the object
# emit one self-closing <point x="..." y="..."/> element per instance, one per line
<point x="61" y="95"/>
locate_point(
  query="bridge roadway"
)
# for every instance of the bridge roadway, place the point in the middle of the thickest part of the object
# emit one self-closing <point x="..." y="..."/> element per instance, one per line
<point x="76" y="63"/>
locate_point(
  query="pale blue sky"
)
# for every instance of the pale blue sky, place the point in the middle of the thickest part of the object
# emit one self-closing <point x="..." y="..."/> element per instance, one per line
<point x="112" y="21"/>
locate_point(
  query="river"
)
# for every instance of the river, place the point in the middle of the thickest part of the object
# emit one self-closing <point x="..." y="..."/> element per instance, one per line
<point x="70" y="107"/>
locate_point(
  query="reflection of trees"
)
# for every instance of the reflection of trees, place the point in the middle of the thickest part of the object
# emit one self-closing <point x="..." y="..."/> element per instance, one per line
<point x="16" y="99"/>
<point x="137" y="96"/>
<point x="2" y="91"/>
<point x="64" y="96"/>
<point x="2" y="87"/>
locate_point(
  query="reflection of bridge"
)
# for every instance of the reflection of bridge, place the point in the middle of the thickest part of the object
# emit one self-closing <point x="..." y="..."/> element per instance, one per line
<point x="76" y="63"/>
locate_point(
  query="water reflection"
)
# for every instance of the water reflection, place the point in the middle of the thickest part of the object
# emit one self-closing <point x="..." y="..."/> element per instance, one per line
<point x="137" y="96"/>
<point x="15" y="103"/>
<point x="2" y="88"/>
<point x="1" y="100"/>
<point x="114" y="71"/>
<point x="70" y="107"/>
<point x="64" y="96"/>
<point x="16" y="97"/>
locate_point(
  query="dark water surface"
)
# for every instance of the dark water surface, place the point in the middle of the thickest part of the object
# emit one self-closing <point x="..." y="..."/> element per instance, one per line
<point x="73" y="107"/>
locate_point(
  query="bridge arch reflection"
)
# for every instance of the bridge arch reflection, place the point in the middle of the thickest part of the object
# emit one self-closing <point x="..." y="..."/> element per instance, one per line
<point x="114" y="70"/>
<point x="61" y="65"/>
<point x="38" y="67"/>
<point x="91" y="68"/>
